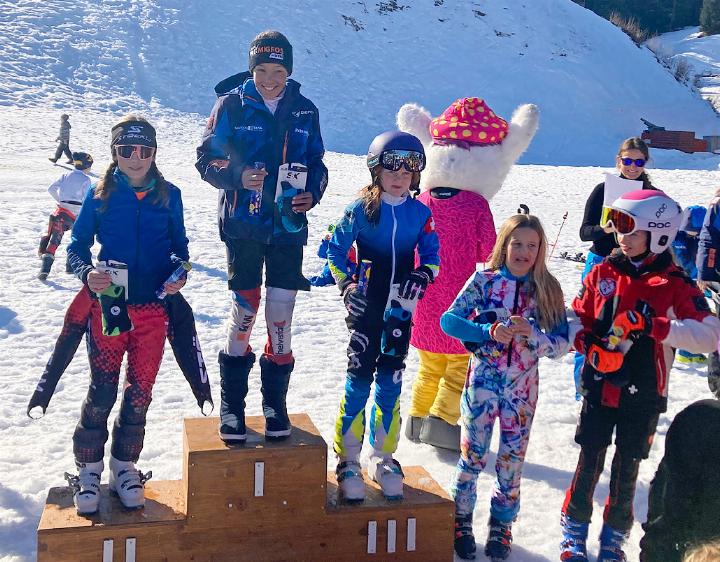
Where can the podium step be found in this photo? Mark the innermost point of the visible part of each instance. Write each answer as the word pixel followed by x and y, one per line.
pixel 261 501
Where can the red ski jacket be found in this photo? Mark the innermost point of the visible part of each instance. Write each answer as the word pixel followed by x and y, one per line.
pixel 680 318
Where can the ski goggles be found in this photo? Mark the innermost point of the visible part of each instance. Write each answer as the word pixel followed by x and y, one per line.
pixel 127 150
pixel 639 162
pixel 393 160
pixel 618 220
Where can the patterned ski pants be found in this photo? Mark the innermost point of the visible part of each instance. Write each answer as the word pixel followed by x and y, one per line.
pixel 58 223
pixel 144 346
pixel 364 361
pixel 479 409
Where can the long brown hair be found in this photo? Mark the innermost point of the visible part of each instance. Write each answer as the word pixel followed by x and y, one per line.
pixel 548 293
pixel 370 194
pixel 106 184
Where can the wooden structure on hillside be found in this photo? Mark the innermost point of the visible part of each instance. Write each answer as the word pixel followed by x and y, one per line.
pixel 685 141
pixel 261 501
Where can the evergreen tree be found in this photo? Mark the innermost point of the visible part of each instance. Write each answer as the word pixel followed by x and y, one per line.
pixel 685 13
pixel 710 17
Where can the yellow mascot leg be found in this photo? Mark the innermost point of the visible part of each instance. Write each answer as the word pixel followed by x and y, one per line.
pixel 447 403
pixel 425 388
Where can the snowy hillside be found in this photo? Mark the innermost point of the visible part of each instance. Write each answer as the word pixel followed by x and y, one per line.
pixel 358 60
pixel 701 54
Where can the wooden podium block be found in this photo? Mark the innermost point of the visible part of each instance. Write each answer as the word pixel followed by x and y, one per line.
pixel 261 501
pixel 260 481
pixel 65 535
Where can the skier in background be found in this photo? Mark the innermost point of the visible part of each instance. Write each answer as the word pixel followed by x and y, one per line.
pixel 137 216
pixel 685 248
pixel 63 140
pixel 68 191
pixel 708 279
pixel 260 126
pixel 325 276
pixel 387 224
pixel 631 161
pixel 641 297
pixel 509 315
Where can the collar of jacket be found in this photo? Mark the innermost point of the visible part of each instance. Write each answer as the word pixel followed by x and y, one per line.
pixel 122 181
pixel 652 264
pixel 250 96
pixel 505 272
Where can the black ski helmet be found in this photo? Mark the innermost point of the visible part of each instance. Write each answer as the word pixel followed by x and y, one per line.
pixel 392 140
pixel 82 160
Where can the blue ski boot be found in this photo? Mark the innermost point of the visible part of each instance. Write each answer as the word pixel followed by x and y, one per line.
pixel 497 547
pixel 464 538
pixel 611 542
pixel 573 547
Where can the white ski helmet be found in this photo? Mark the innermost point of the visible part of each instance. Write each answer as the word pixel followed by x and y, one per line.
pixel 645 209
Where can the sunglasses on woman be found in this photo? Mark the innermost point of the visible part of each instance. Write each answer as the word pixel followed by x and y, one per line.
pixel 127 150
pixel 393 160
pixel 639 162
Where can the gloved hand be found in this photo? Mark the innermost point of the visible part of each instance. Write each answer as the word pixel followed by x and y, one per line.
pixel 354 300
pixel 631 324
pixel 414 284
pixel 602 359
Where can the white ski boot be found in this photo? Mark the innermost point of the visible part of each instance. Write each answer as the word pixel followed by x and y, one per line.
pixel 128 483
pixel 387 472
pixel 86 486
pixel 350 480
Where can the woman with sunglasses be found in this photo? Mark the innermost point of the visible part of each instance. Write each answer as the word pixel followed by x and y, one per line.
pixel 137 217
pixel 388 226
pixel 634 309
pixel 630 161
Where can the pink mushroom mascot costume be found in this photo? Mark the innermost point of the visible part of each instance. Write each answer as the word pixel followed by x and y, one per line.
pixel 470 151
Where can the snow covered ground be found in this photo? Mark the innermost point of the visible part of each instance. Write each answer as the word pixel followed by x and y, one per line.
pixel 359 61
pixel 34 454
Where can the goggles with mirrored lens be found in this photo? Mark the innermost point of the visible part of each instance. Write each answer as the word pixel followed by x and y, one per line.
pixel 393 160
pixel 620 221
pixel 127 150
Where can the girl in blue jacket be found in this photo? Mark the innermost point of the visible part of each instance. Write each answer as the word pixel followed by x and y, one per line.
pixel 137 217
pixel 388 226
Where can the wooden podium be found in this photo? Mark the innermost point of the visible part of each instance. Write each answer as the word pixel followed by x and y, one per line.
pixel 265 500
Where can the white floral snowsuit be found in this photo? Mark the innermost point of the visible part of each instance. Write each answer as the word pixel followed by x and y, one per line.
pixel 502 383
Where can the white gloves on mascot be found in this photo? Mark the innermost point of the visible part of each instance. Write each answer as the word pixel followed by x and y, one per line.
pixel 469 152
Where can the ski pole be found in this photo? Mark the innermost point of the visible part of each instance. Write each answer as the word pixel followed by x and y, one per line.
pixel 558 234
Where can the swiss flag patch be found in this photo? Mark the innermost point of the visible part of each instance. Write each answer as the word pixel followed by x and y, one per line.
pixel 429 225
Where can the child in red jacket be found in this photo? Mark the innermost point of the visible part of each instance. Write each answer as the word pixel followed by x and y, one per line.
pixel 635 307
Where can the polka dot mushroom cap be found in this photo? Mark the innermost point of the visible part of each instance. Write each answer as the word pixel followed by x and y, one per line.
pixel 469 120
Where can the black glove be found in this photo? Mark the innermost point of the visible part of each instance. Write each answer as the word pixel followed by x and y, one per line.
pixel 415 283
pixel 354 300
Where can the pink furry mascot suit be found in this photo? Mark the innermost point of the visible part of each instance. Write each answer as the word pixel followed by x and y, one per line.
pixel 469 151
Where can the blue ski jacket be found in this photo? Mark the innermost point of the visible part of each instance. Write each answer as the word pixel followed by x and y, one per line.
pixel 708 260
pixel 242 131
pixel 389 245
pixel 142 233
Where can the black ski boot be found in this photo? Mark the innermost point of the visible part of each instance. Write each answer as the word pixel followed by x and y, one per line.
pixel 234 372
pixel 464 538
pixel 47 261
pixel 68 267
pixel 275 380
pixel 497 547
